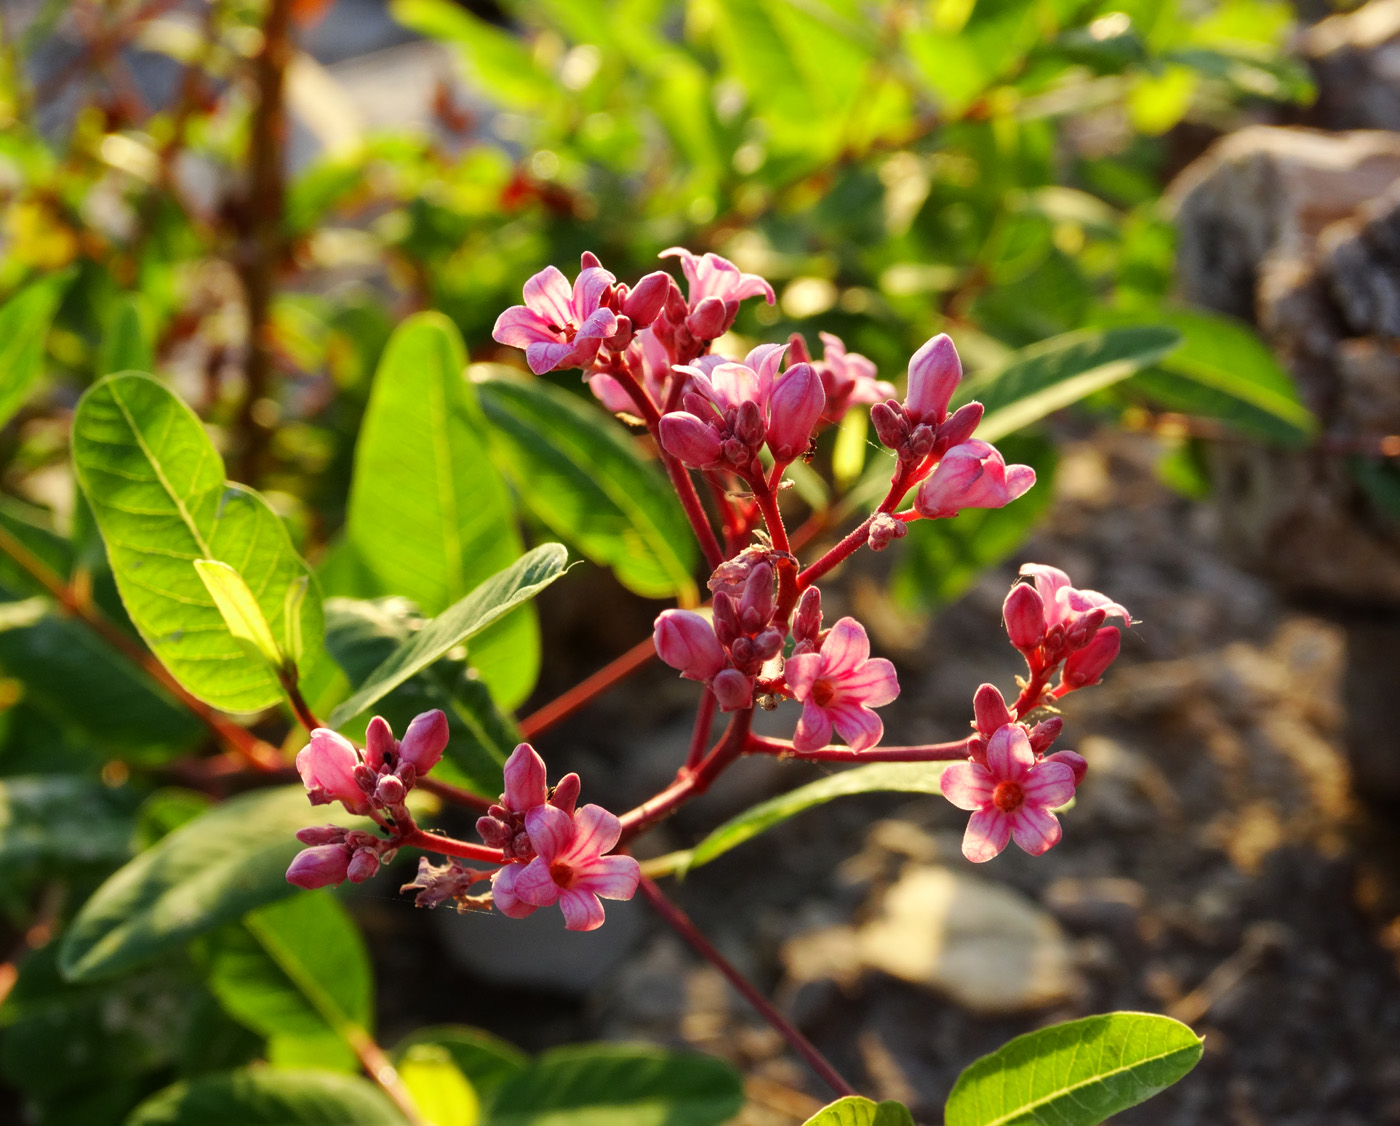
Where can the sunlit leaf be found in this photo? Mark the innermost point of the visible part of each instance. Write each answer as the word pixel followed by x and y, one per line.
pixel 24 326
pixel 854 1110
pixel 269 1097
pixel 486 1060
pixel 438 1089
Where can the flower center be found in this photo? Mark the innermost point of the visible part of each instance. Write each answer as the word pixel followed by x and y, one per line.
pixel 1008 797
pixel 567 331
pixel 822 692
pixel 561 873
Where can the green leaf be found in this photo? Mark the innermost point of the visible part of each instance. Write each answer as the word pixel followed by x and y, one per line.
pixel 24 327
pixel 266 1097
pixel 438 1089
pixel 429 515
pixel 297 971
pixel 875 777
pixel 487 603
pixel 240 610
pixel 487 1061
pixel 126 337
pixel 212 870
pixel 939 560
pixel 1053 374
pixel 292 643
pixel 579 472
pixel 61 818
pixel 855 1110
pixel 361 636
pixel 1074 1074
pixel 497 60
pixel 157 489
pixel 619 1085
pixel 1222 370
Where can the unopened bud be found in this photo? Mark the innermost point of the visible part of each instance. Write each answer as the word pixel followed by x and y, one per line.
pixel 794 407
pixel 380 744
pixel 726 618
pixel 991 710
pixel 920 442
pixel 756 606
pixel 958 427
pixel 321 835
pixel 934 372
pixel 708 320
pixel 890 427
pixel 738 453
pixel 493 831
pixel 884 530
pixel 808 621
pixel 1079 633
pixel 644 304
pixel 622 337
pixel 363 865
pixel 686 641
pixel 565 793
pixel 1075 762
pixel 733 690
pixel 407 773
pixel 323 866
pixel 1024 614
pixel 748 424
pixel 1086 666
pixel 767 645
pixel 675 306
pixel 689 440
pixel 741 651
pixel 1044 733
pixel 425 740
pixel 365 778
pixel 390 791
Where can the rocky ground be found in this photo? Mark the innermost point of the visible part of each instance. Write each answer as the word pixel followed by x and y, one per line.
pixel 1217 867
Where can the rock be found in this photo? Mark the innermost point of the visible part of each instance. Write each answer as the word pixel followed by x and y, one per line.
pixel 986 947
pixel 1356 60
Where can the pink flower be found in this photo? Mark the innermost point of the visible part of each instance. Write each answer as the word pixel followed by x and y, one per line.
pixel 709 275
pixel 322 866
pixel 327 768
pixel 796 402
pixel 934 373
pixel 525 780
pixel 686 641
pixel 1086 666
pixel 848 378
pixel 1011 796
pixel 556 327
pixel 972 475
pixel 1062 604
pixel 838 685
pixel 569 867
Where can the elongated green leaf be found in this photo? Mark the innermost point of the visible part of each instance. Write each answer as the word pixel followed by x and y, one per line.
pixel 875 777
pixel 214 869
pixel 486 604
pixel 58 817
pixel 1062 370
pixel 580 473
pixel 126 337
pixel 240 610
pixel 297 971
pixel 24 326
pixel 157 489
pixel 487 1061
pixel 1074 1074
pixel 1222 370
pixel 619 1085
pixel 855 1110
pixel 267 1097
pixel 939 560
pixel 429 515
pixel 361 636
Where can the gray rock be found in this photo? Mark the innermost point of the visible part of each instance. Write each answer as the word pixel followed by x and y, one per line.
pixel 1356 60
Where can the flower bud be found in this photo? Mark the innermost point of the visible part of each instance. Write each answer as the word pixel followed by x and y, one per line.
pixel 1079 632
pixel 920 442
pixel 622 337
pixel 934 371
pixel 972 475
pixel 686 641
pixel 380 744
pixel 732 689
pixel 726 618
pixel 797 402
pixel 406 773
pixel 644 304
pixel 565 794
pixel 991 710
pixel 1044 733
pixel 319 867
pixel 958 427
pixel 425 740
pixel 328 767
pixel 797 350
pixel 756 606
pixel 807 623
pixel 884 530
pixel 321 835
pixel 748 424
pixel 363 865
pixel 709 319
pixel 1075 762
pixel 365 778
pixel 1086 666
pixel 493 831
pixel 1024 615
pixel 890 425
pixel 390 791
pixel 689 440
pixel 589 261
pixel 741 652
pixel 675 306
pixel 767 645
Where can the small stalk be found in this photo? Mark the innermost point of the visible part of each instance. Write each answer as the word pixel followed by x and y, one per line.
pixel 587 690
pixel 927 752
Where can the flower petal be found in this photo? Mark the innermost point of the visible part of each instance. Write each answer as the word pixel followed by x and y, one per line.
pixel 801 673
pixel 582 911
pixel 846 647
pixel 612 877
pixel 503 893
pixel 967 785
pixel 988 831
pixel 813 729
pixel 551 831
pixel 589 288
pixel 519 326
pixel 1048 784
pixel 1009 753
pixel 548 294
pixel 534 884
pixel 873 684
pixel 595 831
pixel 857 724
pixel 1036 830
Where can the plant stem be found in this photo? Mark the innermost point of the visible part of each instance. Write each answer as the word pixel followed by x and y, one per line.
pixel 378 1068
pixel 305 716
pixel 700 736
pixel 448 846
pixel 928 752
pixel 236 738
pixel 454 794
pixel 679 922
pixel 586 690
pixel 852 542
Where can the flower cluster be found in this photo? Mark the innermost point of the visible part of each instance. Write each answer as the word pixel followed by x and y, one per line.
pixel 1050 621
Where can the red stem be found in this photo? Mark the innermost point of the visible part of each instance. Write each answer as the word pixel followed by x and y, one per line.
pixel 777 532
pixel 700 736
pixel 455 794
pixel 585 691
pixel 432 842
pixel 928 752
pixel 852 542
pixel 680 922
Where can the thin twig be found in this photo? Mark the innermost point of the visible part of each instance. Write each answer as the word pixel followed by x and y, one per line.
pixel 584 692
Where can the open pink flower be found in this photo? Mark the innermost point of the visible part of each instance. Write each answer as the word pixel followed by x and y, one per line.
pixel 838 685
pixel 1011 796
pixel 327 768
pixel 569 867
pixel 710 275
pixel 848 378
pixel 1063 604
pixel 559 328
pixel 972 475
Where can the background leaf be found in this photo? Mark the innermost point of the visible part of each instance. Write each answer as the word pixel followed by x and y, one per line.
pixel 59 817
pixel 487 1061
pixel 267 1097
pixel 429 515
pixel 854 1110
pixel 619 1085
pixel 126 337
pixel 24 326
pixel 216 868
pixel 157 489
pixel 1074 1074
pixel 579 472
